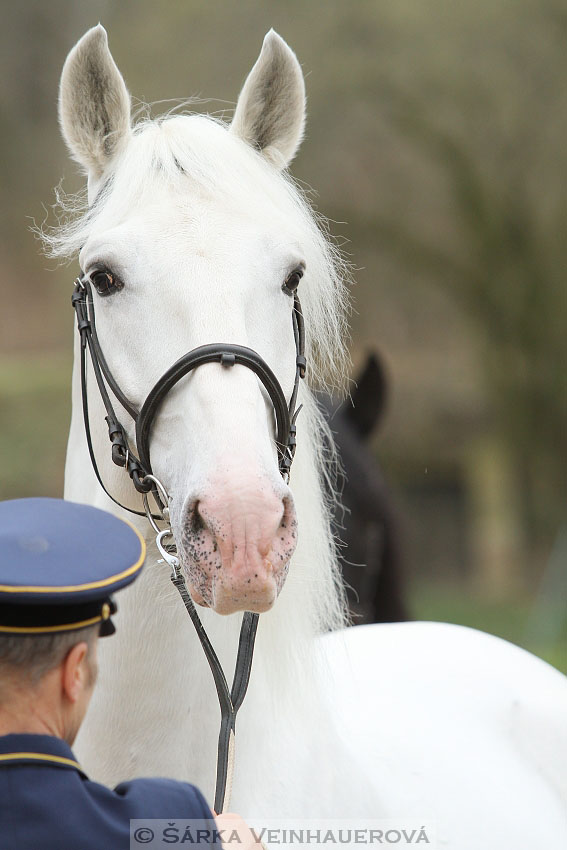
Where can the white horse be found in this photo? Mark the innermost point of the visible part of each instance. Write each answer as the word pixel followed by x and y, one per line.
pixel 192 227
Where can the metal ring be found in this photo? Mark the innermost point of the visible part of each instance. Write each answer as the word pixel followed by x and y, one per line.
pixel 149 514
pixel 162 491
pixel 164 495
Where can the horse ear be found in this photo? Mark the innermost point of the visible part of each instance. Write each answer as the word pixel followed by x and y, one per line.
pixel 368 397
pixel 94 104
pixel 270 113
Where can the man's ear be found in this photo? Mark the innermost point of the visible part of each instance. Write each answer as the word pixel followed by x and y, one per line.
pixel 75 673
pixel 94 104
pixel 270 113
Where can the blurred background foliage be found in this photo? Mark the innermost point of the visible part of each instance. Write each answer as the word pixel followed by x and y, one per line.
pixel 436 145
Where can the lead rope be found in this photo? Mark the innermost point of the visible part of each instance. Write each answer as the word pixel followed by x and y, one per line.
pixel 229 701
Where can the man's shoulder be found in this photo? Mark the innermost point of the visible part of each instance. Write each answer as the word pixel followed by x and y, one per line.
pixel 154 797
pixel 34 783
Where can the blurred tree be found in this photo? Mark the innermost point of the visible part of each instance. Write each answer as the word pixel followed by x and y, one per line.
pixel 502 255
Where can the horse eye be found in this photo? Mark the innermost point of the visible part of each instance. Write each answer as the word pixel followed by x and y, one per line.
pixel 292 282
pixel 105 282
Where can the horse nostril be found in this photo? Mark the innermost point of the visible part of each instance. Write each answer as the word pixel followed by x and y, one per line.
pixel 285 538
pixel 197 522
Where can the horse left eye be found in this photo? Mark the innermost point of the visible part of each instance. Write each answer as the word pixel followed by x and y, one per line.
pixel 292 282
pixel 105 282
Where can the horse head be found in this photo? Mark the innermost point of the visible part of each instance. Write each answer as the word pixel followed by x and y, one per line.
pixel 194 234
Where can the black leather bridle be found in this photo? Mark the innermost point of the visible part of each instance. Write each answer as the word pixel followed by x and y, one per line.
pixel 228 355
pixel 138 467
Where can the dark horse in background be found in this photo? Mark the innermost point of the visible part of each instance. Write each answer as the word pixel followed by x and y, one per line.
pixel 366 524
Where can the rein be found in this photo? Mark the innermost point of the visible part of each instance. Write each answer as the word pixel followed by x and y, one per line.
pixel 138 466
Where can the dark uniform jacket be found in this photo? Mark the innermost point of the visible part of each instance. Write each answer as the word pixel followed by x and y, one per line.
pixel 48 803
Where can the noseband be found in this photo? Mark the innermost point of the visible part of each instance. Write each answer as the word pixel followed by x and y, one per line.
pixel 139 468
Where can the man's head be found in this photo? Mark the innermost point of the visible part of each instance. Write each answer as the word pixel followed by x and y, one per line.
pixel 47 681
pixel 59 564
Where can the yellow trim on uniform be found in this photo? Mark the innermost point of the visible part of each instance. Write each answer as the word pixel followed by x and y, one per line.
pixel 42 757
pixel 23 630
pixel 8 588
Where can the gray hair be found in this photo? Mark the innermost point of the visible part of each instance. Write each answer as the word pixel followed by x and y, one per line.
pixel 30 657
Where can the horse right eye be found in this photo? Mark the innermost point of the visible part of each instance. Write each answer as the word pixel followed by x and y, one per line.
pixel 292 281
pixel 105 282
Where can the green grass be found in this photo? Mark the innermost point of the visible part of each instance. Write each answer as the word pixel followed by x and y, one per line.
pixel 506 618
pixel 22 376
pixel 34 420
